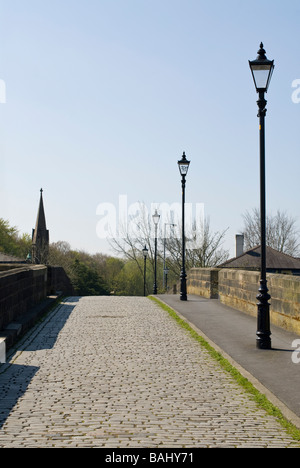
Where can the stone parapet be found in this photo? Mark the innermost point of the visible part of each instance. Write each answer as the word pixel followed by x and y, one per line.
pixel 21 289
pixel 203 282
pixel 239 288
pixel 58 281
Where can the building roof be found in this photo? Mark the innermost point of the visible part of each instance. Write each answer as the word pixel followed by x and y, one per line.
pixel 4 258
pixel 252 260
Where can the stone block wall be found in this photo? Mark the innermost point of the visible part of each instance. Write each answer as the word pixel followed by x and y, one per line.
pixel 239 288
pixel 285 301
pixel 203 282
pixel 21 289
pixel 59 281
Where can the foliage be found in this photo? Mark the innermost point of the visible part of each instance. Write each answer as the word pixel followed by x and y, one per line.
pixel 203 247
pixel 11 242
pixel 87 281
pixel 99 274
pixel 88 273
pixel 102 274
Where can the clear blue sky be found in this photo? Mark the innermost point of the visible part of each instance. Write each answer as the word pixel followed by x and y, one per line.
pixel 103 96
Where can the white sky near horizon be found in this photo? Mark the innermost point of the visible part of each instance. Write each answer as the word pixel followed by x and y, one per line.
pixel 103 96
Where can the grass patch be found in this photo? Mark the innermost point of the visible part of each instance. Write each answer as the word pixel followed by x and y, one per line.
pixel 257 396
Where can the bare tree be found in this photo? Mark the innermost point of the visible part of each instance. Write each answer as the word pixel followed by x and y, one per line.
pixel 208 251
pixel 281 234
pixel 133 237
pixel 203 247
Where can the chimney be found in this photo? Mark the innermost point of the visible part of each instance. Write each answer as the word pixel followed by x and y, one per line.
pixel 239 240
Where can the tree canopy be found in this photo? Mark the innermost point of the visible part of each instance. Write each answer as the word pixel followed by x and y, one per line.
pixel 11 242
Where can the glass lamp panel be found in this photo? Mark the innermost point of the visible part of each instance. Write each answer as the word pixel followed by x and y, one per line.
pixel 183 168
pixel 156 217
pixel 261 76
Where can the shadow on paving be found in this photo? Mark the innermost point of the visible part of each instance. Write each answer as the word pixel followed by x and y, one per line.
pixel 14 378
pixel 14 381
pixel 49 332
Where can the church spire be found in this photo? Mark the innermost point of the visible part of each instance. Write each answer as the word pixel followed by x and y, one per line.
pixel 40 236
pixel 41 219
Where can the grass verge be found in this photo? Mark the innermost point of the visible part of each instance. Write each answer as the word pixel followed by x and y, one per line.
pixel 257 396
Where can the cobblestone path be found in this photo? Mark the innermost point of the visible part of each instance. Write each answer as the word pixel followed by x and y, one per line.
pixel 119 372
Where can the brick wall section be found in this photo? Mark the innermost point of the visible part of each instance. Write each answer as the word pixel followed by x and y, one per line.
pixel 239 288
pixel 20 290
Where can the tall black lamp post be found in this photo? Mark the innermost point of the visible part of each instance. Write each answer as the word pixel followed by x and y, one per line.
pixel 262 70
pixel 145 254
pixel 183 165
pixel 155 218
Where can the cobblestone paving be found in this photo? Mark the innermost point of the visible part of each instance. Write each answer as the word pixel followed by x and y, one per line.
pixel 119 372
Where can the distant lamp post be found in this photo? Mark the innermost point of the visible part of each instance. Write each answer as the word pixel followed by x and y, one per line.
pixel 262 70
pixel 183 165
pixel 155 218
pixel 166 272
pixel 145 254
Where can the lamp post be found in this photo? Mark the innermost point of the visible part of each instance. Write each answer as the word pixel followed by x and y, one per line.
pixel 262 70
pixel 183 165
pixel 155 218
pixel 145 254
pixel 166 272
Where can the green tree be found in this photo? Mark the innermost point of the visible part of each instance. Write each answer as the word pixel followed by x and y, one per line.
pixel 129 281
pixel 11 242
pixel 87 281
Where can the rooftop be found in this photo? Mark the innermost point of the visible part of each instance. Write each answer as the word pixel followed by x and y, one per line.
pixel 4 258
pixel 252 259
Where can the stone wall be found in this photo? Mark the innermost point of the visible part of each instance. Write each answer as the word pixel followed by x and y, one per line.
pixel 239 288
pixel 285 301
pixel 21 289
pixel 58 281
pixel 203 282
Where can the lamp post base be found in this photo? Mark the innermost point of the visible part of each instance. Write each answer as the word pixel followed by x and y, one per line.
pixel 183 292
pixel 263 334
pixel 263 342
